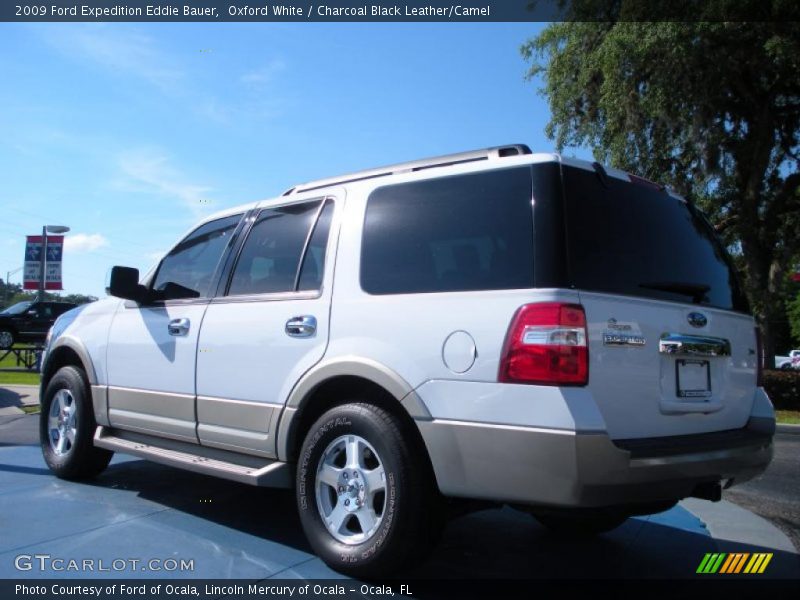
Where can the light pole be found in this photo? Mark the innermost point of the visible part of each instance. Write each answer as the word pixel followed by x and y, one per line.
pixel 43 262
pixel 7 288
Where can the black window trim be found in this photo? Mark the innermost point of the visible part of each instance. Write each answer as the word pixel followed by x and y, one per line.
pixel 223 296
pixel 218 270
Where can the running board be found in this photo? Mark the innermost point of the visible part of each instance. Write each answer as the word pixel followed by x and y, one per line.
pixel 200 459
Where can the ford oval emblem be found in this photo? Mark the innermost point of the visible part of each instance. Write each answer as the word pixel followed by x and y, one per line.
pixel 697 319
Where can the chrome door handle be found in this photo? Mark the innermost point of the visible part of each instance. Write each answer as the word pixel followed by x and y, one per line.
pixel 301 327
pixel 178 326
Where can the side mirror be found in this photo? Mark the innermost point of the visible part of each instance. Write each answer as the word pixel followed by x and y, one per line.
pixel 124 283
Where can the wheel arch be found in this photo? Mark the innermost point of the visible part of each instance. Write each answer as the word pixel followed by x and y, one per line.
pixel 332 383
pixel 68 351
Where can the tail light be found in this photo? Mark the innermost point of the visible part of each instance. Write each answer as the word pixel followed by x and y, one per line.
pixel 759 358
pixel 546 345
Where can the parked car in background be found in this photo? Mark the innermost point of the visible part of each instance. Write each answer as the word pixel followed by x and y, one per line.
pixel 29 321
pixel 788 362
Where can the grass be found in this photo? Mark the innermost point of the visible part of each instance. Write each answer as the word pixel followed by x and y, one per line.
pixel 11 374
pixel 31 409
pixel 788 417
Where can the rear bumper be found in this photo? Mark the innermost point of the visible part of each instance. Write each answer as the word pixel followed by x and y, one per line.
pixel 560 468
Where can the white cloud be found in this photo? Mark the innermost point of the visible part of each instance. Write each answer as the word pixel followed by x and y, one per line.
pixel 266 74
pixel 149 170
pixel 124 51
pixel 85 242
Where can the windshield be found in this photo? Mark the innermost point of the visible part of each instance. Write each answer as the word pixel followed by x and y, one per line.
pixel 636 240
pixel 17 309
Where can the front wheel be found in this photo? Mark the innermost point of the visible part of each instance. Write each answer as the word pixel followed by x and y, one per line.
pixel 366 500
pixel 67 426
pixel 6 339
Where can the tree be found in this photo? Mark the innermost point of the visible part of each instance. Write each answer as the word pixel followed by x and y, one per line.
pixel 710 108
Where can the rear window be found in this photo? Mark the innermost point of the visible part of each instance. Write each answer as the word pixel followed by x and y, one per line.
pixel 631 239
pixel 459 233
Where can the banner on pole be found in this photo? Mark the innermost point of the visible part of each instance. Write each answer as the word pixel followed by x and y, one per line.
pixel 33 264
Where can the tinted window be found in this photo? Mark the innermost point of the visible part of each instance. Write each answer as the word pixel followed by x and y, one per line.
pixel 17 309
pixel 271 254
pixel 192 263
pixel 631 239
pixel 314 260
pixel 466 232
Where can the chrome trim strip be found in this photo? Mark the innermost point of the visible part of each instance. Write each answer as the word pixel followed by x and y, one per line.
pixel 522 428
pixel 693 345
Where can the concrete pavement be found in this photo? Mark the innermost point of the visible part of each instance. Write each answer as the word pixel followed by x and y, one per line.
pixel 14 397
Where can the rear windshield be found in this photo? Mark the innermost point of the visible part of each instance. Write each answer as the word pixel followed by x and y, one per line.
pixel 631 239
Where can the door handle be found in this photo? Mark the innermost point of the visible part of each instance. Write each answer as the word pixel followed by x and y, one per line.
pixel 178 326
pixel 301 327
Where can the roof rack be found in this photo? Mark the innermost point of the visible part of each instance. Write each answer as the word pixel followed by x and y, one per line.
pixel 416 165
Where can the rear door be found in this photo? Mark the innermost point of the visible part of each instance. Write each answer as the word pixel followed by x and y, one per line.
pixel 268 327
pixel 672 350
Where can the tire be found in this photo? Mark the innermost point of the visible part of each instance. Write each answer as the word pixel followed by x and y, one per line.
pixel 7 339
pixel 67 427
pixel 578 526
pixel 784 366
pixel 367 500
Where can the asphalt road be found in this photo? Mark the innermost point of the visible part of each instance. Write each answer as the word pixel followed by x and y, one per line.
pixel 775 495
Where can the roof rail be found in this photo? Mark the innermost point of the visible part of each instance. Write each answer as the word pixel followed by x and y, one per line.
pixel 416 165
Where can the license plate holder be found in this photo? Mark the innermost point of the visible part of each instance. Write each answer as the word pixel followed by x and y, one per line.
pixel 693 379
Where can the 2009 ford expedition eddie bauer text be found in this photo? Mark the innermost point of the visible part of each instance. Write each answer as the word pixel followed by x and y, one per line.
pixel 494 325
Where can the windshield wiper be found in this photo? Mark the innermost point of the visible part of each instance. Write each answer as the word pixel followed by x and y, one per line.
pixel 697 291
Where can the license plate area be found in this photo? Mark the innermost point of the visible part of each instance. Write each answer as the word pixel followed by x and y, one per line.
pixel 693 379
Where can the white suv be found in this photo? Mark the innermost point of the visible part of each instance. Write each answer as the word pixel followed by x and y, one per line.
pixel 494 325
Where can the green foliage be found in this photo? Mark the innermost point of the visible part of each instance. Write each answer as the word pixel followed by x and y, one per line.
pixel 710 108
pixel 14 293
pixel 793 312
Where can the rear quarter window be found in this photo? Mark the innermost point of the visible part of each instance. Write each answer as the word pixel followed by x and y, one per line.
pixel 458 233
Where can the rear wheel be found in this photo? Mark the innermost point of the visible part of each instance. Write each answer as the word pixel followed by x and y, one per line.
pixel 367 503
pixel 6 339
pixel 67 427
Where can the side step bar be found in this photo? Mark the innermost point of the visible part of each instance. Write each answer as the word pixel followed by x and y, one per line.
pixel 209 461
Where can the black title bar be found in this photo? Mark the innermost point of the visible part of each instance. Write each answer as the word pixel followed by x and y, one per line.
pixel 401 11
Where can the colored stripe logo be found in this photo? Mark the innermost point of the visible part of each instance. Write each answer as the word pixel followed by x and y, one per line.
pixel 734 563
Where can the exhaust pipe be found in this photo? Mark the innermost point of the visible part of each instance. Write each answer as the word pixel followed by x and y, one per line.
pixel 708 491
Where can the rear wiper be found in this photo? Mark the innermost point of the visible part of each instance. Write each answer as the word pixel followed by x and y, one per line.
pixel 697 291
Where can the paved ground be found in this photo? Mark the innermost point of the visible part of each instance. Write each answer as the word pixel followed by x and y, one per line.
pixel 14 397
pixel 140 510
pixel 775 495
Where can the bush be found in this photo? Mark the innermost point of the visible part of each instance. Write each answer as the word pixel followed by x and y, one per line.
pixel 783 388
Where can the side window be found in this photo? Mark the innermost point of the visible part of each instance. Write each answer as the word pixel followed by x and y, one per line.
pixel 273 250
pixel 187 271
pixel 459 233
pixel 314 260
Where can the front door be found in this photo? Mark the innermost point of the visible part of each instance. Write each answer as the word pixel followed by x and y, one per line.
pixel 152 348
pixel 269 327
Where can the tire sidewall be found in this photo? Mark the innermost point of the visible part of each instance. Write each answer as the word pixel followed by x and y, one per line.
pixel 71 379
pixel 13 338
pixel 338 422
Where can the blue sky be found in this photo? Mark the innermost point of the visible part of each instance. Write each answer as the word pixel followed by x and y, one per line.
pixel 129 133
